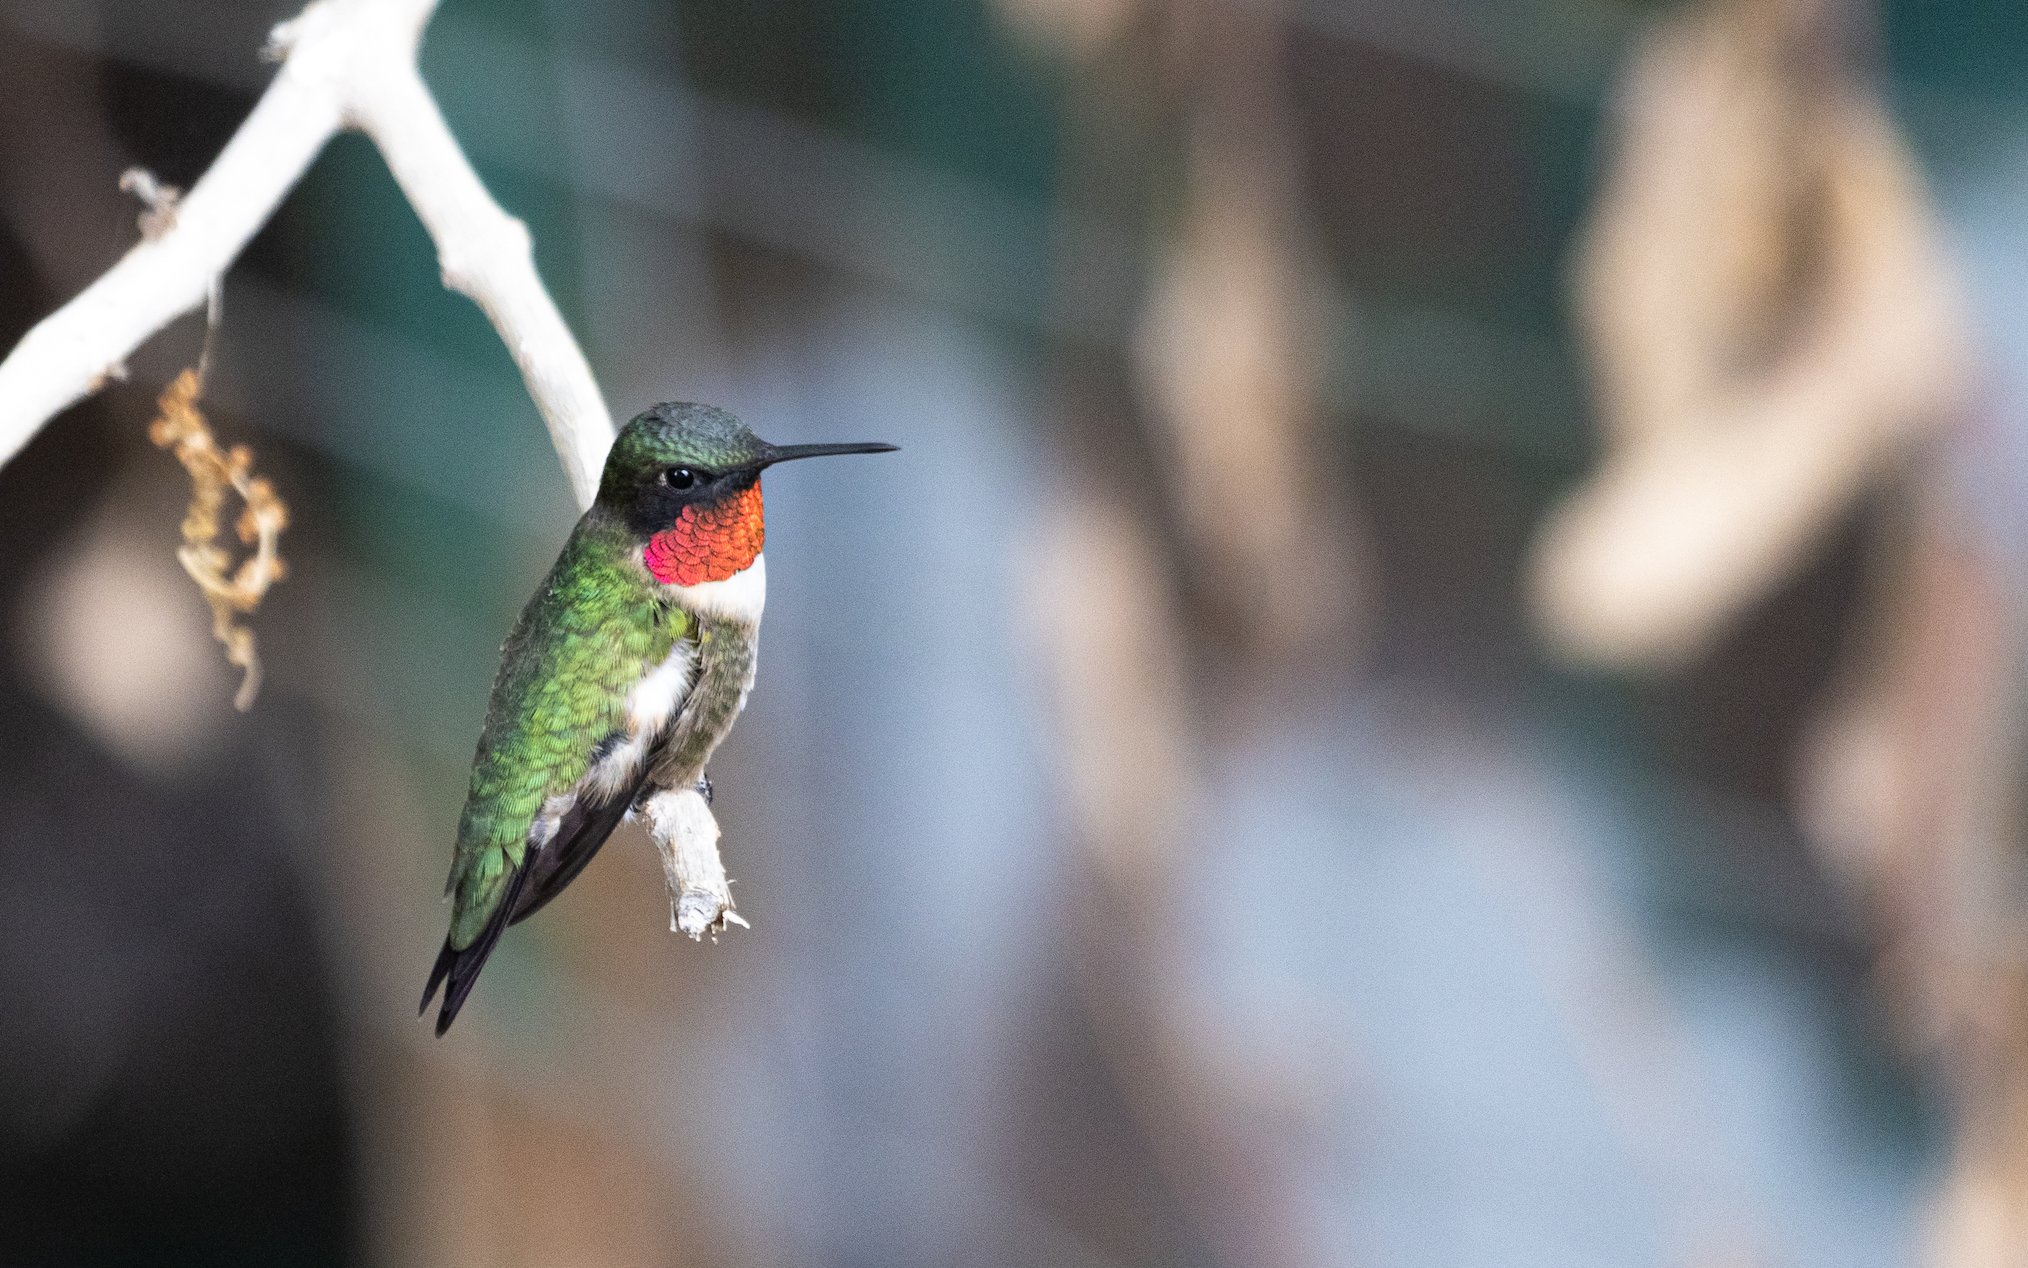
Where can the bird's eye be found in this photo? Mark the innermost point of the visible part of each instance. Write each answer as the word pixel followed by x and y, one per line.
pixel 679 477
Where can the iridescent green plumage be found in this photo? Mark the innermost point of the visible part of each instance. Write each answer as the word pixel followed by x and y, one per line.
pixel 593 631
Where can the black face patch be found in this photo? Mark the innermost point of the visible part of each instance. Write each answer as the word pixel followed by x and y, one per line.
pixel 661 498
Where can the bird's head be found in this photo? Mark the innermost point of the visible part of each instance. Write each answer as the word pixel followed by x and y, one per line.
pixel 685 479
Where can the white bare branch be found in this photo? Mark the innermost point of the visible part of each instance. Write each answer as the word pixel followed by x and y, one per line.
pixel 352 63
pixel 686 834
pixel 347 63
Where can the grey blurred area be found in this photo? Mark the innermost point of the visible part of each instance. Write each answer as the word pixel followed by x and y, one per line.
pixel 1436 681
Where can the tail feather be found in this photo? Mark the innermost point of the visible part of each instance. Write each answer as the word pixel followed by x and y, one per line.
pixel 445 959
pixel 543 873
pixel 461 967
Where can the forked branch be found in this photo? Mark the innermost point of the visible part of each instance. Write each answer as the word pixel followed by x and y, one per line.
pixel 345 63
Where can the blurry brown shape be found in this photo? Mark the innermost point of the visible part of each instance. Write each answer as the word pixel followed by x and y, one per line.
pixel 1890 771
pixel 1772 325
pixel 215 472
pixel 1229 354
pixel 1230 351
pixel 1775 329
pixel 1911 786
pixel 1076 28
pixel 57 162
pixel 1112 644
pixel 1204 520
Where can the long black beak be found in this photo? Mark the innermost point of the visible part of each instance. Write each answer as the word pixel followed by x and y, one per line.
pixel 787 453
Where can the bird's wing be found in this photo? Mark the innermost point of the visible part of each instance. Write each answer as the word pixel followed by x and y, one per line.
pixel 538 810
pixel 585 827
pixel 719 665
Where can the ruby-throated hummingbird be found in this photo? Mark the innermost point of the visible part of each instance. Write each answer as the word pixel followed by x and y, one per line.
pixel 623 674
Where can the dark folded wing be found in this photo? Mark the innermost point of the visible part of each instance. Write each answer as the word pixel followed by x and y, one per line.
pixel 585 827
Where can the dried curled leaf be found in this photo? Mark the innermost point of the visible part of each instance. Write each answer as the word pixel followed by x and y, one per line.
pixel 231 591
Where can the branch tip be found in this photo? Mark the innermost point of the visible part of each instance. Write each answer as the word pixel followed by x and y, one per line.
pixel 160 201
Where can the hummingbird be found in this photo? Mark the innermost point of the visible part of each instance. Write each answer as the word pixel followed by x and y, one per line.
pixel 622 675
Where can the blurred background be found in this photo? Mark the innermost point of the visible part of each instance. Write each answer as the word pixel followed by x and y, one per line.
pixel 1439 679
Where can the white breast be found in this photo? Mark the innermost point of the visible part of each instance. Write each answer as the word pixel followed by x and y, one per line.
pixel 739 597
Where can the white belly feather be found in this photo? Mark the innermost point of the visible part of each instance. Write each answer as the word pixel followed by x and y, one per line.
pixel 739 597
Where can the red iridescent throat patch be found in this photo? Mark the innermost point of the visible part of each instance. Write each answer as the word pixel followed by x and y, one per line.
pixel 708 543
